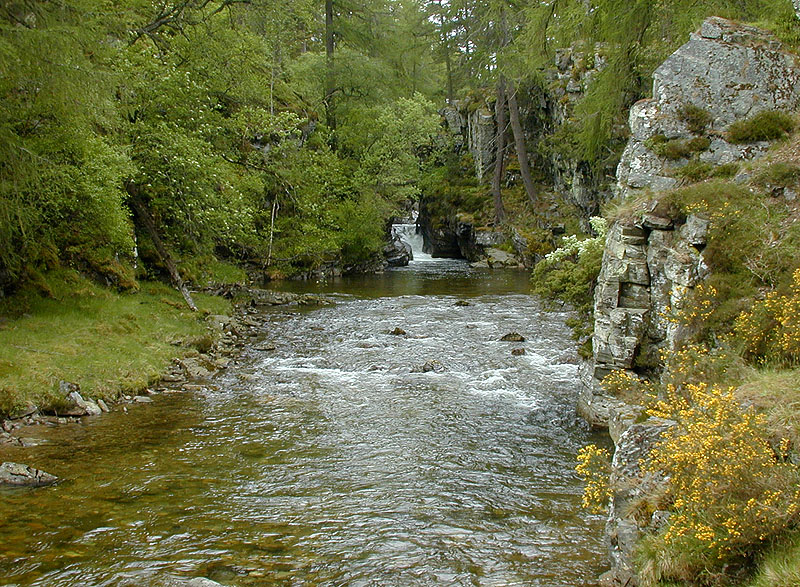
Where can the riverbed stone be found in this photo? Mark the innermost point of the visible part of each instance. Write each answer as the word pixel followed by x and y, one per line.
pixel 513 337
pixel 23 475
pixel 78 406
pixel 196 368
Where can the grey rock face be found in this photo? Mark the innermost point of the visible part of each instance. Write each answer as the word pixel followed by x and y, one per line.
pixel 629 484
pixel 397 252
pixel 481 133
pixel 730 70
pixel 23 475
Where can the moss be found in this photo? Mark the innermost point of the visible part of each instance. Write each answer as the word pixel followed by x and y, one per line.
pixel 674 149
pixel 768 125
pixel 696 118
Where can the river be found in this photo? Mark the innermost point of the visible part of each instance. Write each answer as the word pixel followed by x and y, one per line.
pixel 338 458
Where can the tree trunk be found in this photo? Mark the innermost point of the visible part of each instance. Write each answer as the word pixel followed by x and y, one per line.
pixel 150 226
pixel 519 143
pixel 500 148
pixel 330 77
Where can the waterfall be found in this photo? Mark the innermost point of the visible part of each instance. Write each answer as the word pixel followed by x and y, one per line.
pixel 409 235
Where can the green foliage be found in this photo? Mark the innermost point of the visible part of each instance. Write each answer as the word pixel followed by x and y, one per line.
pixel 767 125
pixel 61 171
pixel 752 242
pixel 570 273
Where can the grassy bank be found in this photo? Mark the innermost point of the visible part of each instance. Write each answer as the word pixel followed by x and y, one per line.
pixel 67 328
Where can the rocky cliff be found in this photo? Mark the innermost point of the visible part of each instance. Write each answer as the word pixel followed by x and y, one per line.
pixel 725 73
pixel 544 108
pixel 653 257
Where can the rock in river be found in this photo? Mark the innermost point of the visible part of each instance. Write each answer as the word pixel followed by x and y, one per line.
pixel 19 474
pixel 513 337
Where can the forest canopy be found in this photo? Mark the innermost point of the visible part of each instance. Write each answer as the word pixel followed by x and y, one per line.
pixel 278 132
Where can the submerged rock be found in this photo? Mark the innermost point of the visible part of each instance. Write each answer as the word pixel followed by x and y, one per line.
pixel 23 475
pixel 428 366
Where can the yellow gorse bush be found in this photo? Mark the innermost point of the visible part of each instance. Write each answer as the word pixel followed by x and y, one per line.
pixel 594 466
pixel 770 330
pixel 730 492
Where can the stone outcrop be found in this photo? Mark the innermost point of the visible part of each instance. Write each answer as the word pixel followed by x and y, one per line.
pixel 397 253
pixel 728 70
pixel 653 257
pixel 630 486
pixel 456 237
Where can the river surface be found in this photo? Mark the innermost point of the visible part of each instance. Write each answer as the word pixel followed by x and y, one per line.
pixel 335 459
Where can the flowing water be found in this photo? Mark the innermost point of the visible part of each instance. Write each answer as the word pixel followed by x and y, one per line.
pixel 345 456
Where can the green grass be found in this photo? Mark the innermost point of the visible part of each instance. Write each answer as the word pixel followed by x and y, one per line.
pixel 776 394
pixel 104 341
pixel 780 567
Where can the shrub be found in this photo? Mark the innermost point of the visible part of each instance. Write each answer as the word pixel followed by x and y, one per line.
pixel 764 126
pixel 696 118
pixel 695 171
pixel 594 466
pixel 569 274
pixel 730 492
pixel 674 149
pixel 770 331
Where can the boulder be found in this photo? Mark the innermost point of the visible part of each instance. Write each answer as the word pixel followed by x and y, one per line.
pixel 76 405
pixel 499 258
pixel 729 70
pixel 513 337
pixel 397 252
pixel 23 475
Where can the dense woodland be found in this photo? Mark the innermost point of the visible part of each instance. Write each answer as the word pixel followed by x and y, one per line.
pixel 278 133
